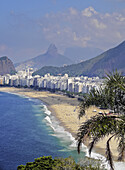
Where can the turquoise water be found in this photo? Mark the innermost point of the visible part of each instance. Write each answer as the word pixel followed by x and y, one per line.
pixel 28 131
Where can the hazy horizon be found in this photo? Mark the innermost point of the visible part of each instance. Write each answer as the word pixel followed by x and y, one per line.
pixel 29 27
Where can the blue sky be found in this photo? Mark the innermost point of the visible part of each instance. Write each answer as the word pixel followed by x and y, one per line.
pixel 29 26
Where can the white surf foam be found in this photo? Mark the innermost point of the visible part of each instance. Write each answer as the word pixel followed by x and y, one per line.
pixel 17 94
pixel 46 110
pixel 119 165
pixel 48 119
pixel 60 132
pixel 30 99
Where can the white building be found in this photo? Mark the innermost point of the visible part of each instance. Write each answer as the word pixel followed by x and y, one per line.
pixel 73 84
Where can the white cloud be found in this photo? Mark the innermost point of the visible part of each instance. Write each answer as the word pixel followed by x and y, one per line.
pixel 88 12
pixel 84 28
pixel 73 27
pixel 121 18
pixel 98 24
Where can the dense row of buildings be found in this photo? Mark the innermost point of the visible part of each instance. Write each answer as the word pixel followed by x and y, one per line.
pixel 81 84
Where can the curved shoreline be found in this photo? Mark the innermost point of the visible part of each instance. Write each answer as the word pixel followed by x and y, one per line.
pixel 64 109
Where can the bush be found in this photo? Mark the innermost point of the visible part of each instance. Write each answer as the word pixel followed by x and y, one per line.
pixel 47 163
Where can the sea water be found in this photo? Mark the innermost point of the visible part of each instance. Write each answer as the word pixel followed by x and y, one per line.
pixel 28 130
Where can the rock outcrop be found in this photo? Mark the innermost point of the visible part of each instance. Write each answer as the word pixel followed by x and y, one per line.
pixel 6 66
pixel 50 58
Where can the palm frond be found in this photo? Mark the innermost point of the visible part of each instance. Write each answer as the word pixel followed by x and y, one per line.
pixel 97 127
pixel 114 80
pixel 112 96
pixel 97 98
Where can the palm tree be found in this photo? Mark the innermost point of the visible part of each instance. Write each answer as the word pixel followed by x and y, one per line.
pixel 112 96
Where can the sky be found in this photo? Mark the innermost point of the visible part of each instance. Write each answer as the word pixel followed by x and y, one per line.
pixel 28 27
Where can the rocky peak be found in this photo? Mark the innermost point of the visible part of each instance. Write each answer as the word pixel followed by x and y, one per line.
pixel 52 49
pixel 6 66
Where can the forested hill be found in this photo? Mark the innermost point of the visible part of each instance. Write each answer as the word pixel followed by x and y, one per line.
pixel 106 62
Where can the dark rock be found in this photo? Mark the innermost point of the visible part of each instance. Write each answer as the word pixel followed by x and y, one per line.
pixel 6 66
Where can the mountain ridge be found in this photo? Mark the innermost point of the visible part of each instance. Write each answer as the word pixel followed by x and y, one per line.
pixel 51 57
pixel 108 61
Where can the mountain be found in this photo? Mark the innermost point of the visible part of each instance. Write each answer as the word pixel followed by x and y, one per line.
pixel 79 54
pixel 50 58
pixel 98 66
pixel 6 66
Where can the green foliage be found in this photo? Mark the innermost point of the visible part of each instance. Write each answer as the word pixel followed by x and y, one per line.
pixel 99 126
pixel 47 163
pixel 112 96
pixel 91 163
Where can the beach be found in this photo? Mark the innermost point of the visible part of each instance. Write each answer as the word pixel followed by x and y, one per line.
pixel 66 110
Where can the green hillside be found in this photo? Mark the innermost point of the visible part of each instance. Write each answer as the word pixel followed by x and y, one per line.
pixel 98 66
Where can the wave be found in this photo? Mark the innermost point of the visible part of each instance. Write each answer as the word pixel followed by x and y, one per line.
pixel 66 136
pixel 46 110
pixel 36 101
pixel 48 119
pixel 17 94
pixel 31 99
pixel 60 132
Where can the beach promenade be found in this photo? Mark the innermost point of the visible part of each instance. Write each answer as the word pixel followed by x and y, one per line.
pixel 66 110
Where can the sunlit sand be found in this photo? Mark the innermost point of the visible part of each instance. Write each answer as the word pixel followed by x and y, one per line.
pixel 66 111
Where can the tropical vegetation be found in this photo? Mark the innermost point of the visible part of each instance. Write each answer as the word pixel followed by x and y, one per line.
pixel 47 163
pixel 112 97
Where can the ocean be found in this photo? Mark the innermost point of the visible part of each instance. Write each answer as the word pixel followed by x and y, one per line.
pixel 28 130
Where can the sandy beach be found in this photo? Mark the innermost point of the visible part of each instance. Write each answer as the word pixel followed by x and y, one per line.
pixel 66 111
